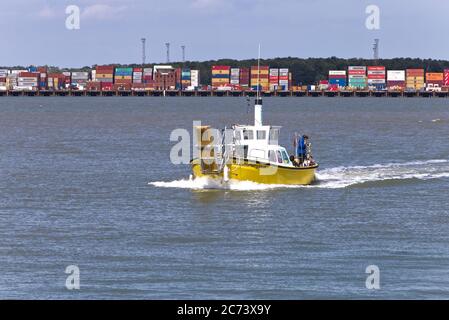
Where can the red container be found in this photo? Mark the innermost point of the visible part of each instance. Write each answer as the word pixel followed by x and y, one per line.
pixel 138 86
pixel 121 86
pixel 439 83
pixel 356 73
pixel 221 68
pixel 93 86
pixel 255 68
pixel 29 74
pixel 123 81
pixel 331 76
pixel 376 68
pixel 446 77
pixel 415 72
pixel 106 86
pixel 376 77
pixel 396 84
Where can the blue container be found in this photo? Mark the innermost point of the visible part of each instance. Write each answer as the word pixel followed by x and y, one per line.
pixel 32 69
pixel 379 86
pixel 341 82
pixel 220 76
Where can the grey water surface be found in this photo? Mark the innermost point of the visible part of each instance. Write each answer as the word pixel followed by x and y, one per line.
pixel 89 182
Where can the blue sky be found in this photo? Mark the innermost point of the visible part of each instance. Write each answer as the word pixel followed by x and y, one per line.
pixel 110 30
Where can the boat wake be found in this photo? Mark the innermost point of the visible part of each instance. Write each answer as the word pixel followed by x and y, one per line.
pixel 333 178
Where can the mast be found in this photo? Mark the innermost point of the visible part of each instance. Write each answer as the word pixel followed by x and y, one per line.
pixel 258 103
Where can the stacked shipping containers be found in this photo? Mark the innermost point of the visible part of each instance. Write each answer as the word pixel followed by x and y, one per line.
pixel 260 77
pixel 357 77
pixel 79 79
pixel 42 77
pixel 137 75
pixel 56 81
pixel 337 79
pixel 67 78
pixel 285 79
pixel 415 79
pixel 396 79
pixel 12 79
pixel 195 78
pixel 147 75
pixel 105 75
pixel 3 77
pixel 28 80
pixel 274 79
pixel 244 77
pixel 377 78
pixel 123 76
pixel 220 76
pixel 235 76
pixel 185 78
pixel 435 79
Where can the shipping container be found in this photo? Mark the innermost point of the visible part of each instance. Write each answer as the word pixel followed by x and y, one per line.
pixel 396 75
pixel 446 77
pixel 396 84
pixel 337 73
pixel 195 78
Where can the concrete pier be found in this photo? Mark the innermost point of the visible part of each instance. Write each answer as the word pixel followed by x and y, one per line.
pixel 220 93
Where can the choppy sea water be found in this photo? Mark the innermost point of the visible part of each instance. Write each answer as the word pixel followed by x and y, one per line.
pixel 88 182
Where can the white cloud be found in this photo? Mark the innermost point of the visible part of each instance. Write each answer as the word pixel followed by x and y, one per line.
pixel 102 11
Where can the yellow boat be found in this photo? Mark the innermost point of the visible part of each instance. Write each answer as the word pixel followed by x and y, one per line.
pixel 249 153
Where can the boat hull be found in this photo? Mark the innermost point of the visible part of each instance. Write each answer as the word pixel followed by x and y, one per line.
pixel 262 173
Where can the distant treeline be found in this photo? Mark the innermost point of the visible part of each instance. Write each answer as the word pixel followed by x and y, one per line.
pixel 304 71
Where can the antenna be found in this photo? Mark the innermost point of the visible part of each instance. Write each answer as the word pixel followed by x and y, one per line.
pixel 258 75
pixel 376 49
pixel 168 51
pixel 143 50
pixel 258 104
pixel 183 48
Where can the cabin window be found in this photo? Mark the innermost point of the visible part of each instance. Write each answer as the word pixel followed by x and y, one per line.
pixel 248 134
pixel 285 156
pixel 279 156
pixel 272 156
pixel 261 134
pixel 274 136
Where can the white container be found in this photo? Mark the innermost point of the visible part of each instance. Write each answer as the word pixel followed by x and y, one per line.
pixel 357 68
pixel 194 78
pixel 396 75
pixel 337 73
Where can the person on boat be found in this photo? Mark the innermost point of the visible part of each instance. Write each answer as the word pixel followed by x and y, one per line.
pixel 302 148
pixel 295 161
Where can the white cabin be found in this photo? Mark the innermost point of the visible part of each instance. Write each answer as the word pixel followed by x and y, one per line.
pixel 260 143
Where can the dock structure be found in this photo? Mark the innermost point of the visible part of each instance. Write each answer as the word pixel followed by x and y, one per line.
pixel 219 93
